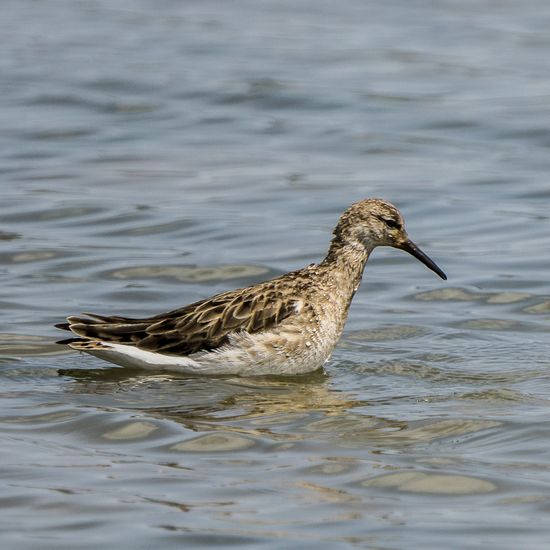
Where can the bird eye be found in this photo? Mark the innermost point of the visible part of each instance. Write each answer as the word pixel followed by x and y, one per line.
pixel 391 223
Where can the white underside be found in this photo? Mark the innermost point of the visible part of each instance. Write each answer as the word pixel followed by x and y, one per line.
pixel 130 356
pixel 230 359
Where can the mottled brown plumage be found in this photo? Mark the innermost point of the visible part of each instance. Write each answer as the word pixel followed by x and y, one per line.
pixel 200 326
pixel 286 325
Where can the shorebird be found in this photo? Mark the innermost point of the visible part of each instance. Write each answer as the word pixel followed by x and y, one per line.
pixel 287 325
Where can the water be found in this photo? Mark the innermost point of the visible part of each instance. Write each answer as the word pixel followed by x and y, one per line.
pixel 154 153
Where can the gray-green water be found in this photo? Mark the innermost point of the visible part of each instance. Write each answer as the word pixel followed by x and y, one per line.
pixel 154 153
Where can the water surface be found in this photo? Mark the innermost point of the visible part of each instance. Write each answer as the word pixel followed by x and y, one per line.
pixel 154 153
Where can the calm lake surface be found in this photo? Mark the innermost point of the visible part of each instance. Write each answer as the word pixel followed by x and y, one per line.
pixel 157 152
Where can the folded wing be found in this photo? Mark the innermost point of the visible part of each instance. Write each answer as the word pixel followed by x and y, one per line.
pixel 201 326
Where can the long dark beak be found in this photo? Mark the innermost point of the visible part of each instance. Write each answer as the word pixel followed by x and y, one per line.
pixel 412 249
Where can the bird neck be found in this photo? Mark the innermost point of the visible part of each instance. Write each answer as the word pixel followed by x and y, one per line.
pixel 346 262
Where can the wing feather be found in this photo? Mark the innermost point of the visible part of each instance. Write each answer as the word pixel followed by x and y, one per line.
pixel 201 326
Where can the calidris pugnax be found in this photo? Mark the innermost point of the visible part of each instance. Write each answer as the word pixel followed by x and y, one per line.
pixel 287 325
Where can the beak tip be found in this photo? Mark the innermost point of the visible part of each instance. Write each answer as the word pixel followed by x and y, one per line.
pixel 412 249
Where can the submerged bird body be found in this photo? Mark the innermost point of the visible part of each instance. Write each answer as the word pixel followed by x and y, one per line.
pixel 287 325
